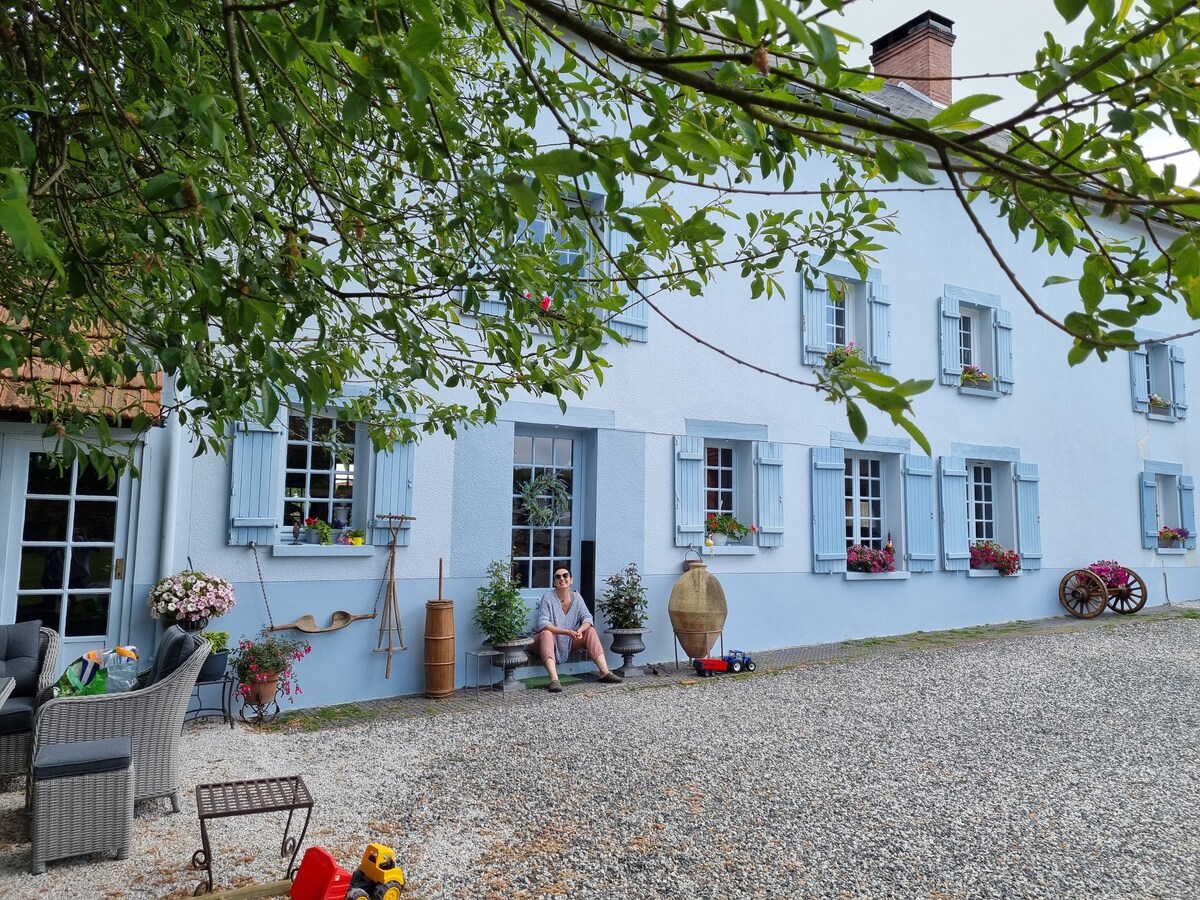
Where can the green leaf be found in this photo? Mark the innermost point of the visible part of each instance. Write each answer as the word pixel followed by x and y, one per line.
pixel 565 162
pixel 961 110
pixel 168 184
pixel 858 422
pixel 1070 9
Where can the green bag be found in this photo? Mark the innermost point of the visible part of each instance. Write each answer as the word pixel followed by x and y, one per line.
pixel 83 677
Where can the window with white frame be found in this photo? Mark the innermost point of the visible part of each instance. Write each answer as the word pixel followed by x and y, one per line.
pixel 841 308
pixel 319 467
pixel 1157 376
pixel 318 480
pixel 728 470
pixel 720 479
pixel 1168 502
pixel 981 503
pixel 976 343
pixel 865 520
pixel 867 494
pixel 989 496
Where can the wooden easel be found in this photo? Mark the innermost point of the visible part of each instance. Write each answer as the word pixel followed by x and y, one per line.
pixel 391 604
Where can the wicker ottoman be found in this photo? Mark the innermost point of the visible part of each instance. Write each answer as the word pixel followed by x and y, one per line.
pixel 82 799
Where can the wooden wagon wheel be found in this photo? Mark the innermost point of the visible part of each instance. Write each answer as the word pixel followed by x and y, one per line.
pixel 1082 594
pixel 1129 597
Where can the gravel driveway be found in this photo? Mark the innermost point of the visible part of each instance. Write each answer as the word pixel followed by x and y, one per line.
pixel 1059 765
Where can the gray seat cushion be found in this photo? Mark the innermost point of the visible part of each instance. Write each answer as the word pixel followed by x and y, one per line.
pixel 83 758
pixel 19 656
pixel 16 715
pixel 174 647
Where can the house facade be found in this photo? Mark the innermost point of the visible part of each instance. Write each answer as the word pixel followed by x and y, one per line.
pixel 1064 465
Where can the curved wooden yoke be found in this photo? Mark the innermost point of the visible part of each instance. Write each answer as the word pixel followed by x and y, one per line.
pixel 308 624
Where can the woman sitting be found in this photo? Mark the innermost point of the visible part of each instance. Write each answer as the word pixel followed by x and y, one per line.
pixel 564 624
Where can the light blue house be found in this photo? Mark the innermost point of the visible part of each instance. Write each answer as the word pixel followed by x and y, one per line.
pixel 1064 465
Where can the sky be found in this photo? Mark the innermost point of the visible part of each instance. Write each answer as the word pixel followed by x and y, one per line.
pixel 990 37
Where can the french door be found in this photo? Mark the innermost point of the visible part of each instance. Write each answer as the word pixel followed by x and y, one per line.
pixel 64 557
pixel 537 549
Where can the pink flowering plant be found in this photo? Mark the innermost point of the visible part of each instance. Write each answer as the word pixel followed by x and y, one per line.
pixel 991 555
pixel 838 355
pixel 190 596
pixel 1111 572
pixel 256 661
pixel 861 558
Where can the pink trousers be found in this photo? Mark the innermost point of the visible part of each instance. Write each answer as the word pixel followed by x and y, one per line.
pixel 544 641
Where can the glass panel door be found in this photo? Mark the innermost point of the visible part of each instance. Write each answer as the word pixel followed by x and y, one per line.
pixel 536 549
pixel 68 547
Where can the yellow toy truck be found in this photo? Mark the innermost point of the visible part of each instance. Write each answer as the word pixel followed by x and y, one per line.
pixel 377 877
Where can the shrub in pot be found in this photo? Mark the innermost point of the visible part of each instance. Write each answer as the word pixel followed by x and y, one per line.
pixel 216 663
pixel 502 615
pixel 623 604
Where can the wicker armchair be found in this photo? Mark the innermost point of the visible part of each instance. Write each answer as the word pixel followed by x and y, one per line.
pixel 152 716
pixel 14 747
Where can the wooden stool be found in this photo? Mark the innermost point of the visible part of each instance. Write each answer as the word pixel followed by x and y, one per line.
pixel 82 799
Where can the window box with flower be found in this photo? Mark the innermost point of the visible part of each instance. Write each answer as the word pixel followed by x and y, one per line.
pixel 1172 535
pixel 839 355
pixel 987 556
pixel 975 377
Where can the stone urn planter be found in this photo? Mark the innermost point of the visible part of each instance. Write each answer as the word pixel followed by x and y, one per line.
pixel 626 643
pixel 512 656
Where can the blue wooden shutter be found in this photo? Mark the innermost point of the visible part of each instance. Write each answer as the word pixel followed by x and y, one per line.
pixel 880 306
pixel 918 513
pixel 1148 482
pixel 1139 381
pixel 768 463
pixel 948 337
pixel 1187 508
pixel 956 542
pixel 1178 387
pixel 1029 528
pixel 815 302
pixel 255 509
pixel 689 491
pixel 1003 325
pixel 829 509
pixel 393 493
pixel 633 322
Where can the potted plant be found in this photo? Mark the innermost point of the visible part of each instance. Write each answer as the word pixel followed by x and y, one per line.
pixel 624 606
pixel 838 355
pixel 354 536
pixel 265 667
pixel 318 531
pixel 502 615
pixel 722 527
pixel 1159 404
pixel 975 377
pixel 190 599
pixel 991 555
pixel 1172 535
pixel 217 661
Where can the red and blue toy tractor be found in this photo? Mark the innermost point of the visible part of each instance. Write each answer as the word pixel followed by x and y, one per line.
pixel 733 661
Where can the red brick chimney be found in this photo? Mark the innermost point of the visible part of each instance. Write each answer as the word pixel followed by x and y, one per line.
pixel 918 54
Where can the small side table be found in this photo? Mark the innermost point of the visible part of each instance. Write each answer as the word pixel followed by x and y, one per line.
pixel 471 663
pixel 225 710
pixel 245 798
